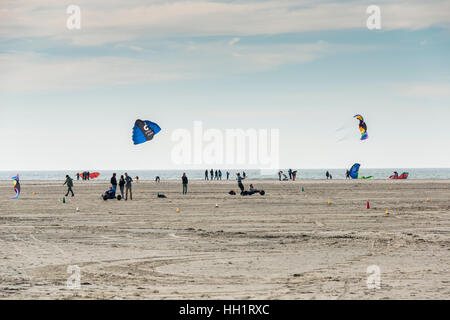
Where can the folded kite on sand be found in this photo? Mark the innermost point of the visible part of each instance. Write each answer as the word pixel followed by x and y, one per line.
pixel 404 175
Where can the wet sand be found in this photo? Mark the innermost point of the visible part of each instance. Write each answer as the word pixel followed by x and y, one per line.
pixel 287 244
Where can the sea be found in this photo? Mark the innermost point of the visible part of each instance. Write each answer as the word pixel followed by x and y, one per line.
pixel 377 173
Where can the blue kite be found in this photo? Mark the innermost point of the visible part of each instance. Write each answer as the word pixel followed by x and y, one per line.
pixel 144 131
pixel 354 172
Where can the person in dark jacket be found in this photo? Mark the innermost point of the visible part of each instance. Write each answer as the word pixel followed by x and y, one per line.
pixel 239 180
pixel 184 181
pixel 114 182
pixel 69 183
pixel 206 174
pixel 121 184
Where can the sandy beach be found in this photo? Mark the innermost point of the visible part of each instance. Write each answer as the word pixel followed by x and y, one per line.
pixel 287 244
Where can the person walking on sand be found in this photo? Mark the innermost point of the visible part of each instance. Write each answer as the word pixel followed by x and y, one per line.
pixel 121 184
pixel 206 174
pixel 128 182
pixel 184 181
pixel 114 182
pixel 347 175
pixel 69 183
pixel 239 181
pixel 211 174
pixel 327 174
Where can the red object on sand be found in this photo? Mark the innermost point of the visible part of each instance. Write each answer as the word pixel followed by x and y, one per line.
pixel 404 175
pixel 368 205
pixel 92 175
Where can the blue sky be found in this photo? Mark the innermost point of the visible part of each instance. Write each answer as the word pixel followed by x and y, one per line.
pixel 69 98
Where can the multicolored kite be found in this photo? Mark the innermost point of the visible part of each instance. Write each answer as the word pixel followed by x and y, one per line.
pixel 362 126
pixel 16 186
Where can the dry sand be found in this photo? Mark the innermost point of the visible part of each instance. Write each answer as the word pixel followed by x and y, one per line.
pixel 287 244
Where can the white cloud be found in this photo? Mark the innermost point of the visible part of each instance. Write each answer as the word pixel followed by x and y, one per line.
pixel 234 41
pixel 112 21
pixel 424 90
pixel 31 72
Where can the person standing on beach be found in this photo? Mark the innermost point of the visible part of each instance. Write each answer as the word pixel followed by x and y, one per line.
pixel 294 174
pixel 184 181
pixel 128 182
pixel 78 176
pixel 206 174
pixel 243 175
pixel 114 182
pixel 121 184
pixel 211 174
pixel 220 175
pixel 228 175
pixel 239 180
pixel 69 183
pixel 347 175
pixel 327 174
pixel 290 174
pixel 215 175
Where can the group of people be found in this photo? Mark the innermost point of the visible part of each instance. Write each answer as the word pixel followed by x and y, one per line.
pixel 215 175
pixel 292 175
pixel 84 175
pixel 329 176
pixel 125 182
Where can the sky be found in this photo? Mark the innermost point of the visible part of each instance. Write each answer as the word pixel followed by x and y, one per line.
pixel 69 97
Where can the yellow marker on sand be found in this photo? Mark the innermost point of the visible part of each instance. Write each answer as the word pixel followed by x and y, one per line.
pixel 178 210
